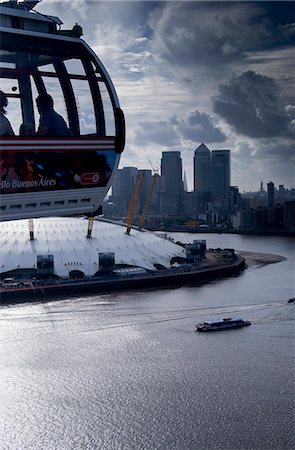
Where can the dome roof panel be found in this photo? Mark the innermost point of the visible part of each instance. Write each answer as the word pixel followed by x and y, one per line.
pixel 66 239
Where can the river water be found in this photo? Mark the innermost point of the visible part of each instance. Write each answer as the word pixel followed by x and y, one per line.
pixel 128 371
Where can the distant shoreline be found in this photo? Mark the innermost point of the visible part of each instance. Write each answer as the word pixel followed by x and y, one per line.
pixel 184 229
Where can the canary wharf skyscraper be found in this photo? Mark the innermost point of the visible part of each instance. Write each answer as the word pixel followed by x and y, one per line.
pixel 171 196
pixel 212 178
pixel 221 163
pixel 202 159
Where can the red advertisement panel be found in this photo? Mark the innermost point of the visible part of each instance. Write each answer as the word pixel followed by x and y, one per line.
pixel 45 167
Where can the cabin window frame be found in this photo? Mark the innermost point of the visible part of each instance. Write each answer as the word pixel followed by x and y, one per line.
pixel 32 53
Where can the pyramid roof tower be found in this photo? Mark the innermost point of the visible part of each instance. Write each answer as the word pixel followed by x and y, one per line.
pixel 202 148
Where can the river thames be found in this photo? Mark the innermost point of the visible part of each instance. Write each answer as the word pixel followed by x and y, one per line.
pixel 128 371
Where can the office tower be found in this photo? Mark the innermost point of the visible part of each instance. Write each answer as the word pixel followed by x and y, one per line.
pixel 212 179
pixel 234 199
pixel 116 184
pixel 221 181
pixel 202 157
pixel 281 194
pixel 122 187
pixel 270 194
pixel 171 196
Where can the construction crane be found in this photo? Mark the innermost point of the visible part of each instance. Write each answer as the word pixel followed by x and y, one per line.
pixel 155 168
pixel 147 201
pixel 134 201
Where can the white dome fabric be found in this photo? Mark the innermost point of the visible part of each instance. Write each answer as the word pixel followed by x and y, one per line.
pixel 66 239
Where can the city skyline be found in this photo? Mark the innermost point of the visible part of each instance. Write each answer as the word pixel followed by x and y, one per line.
pixel 261 184
pixel 221 73
pixel 161 200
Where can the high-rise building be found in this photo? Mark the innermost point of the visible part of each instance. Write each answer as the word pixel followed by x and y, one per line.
pixel 122 188
pixel 171 195
pixel 281 194
pixel 234 199
pixel 270 194
pixel 202 158
pixel 212 178
pixel 221 179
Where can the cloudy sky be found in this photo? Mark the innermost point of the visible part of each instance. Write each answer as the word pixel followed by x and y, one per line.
pixel 188 72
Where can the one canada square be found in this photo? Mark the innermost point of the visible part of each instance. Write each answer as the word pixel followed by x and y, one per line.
pixel 212 179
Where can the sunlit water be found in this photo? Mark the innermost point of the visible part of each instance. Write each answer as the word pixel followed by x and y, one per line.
pixel 128 371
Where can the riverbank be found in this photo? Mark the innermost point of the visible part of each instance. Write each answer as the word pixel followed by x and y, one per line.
pixel 260 259
pixel 213 230
pixel 209 268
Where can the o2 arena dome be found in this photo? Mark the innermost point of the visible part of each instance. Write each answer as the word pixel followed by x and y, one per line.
pixel 60 246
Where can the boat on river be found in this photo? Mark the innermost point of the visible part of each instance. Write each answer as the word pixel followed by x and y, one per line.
pixel 224 324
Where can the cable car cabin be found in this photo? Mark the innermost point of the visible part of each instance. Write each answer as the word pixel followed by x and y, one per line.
pixel 55 174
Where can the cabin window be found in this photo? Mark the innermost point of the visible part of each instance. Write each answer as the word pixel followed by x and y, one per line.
pixel 53 88
pixel 85 107
pixel 75 67
pixel 10 87
pixel 48 68
pixel 39 65
pixel 108 110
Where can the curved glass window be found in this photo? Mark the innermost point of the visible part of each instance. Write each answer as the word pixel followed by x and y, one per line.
pixel 67 72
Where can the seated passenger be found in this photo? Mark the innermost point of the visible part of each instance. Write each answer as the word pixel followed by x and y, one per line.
pixel 51 123
pixel 5 127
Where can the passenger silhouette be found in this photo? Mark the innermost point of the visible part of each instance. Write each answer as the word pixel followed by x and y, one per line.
pixel 5 127
pixel 51 123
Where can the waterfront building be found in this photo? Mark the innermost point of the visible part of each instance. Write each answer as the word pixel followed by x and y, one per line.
pixel 190 204
pixel 222 179
pixel 270 194
pixel 234 200
pixel 276 218
pixel 281 195
pixel 212 179
pixel 171 191
pixel 202 157
pixel 122 188
pixel 289 216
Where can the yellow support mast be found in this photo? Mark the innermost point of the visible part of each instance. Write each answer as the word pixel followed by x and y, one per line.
pixel 147 201
pixel 134 201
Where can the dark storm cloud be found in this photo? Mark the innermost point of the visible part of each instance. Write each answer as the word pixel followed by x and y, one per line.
pixel 281 150
pixel 199 127
pixel 278 149
pixel 196 127
pixel 217 33
pixel 251 104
